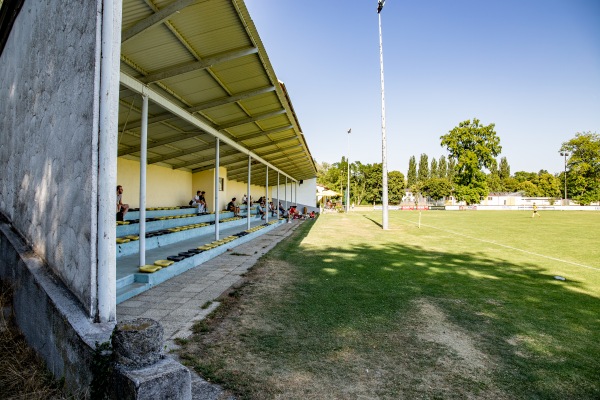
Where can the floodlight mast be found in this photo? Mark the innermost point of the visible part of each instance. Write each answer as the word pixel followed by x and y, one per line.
pixel 348 185
pixel 384 183
pixel 565 154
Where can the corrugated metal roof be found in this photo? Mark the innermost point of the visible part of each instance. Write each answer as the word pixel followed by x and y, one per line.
pixel 207 58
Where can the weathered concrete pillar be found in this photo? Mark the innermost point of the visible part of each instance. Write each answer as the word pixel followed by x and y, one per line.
pixel 142 371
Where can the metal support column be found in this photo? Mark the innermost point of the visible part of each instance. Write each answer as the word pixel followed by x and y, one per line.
pixel 384 183
pixel 143 163
pixel 217 208
pixel 248 195
pixel 285 194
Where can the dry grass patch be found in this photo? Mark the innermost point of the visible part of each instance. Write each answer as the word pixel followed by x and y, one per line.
pixel 259 356
pixel 22 374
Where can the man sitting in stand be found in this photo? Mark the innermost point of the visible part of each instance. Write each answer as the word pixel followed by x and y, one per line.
pixel 198 201
pixel 203 201
pixel 282 212
pixel 272 209
pixel 232 207
pixel 121 208
pixel 291 212
pixel 260 209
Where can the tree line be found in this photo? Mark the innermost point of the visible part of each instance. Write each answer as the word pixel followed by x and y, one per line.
pixel 471 171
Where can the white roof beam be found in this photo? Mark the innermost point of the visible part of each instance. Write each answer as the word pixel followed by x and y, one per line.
pixel 169 140
pixel 231 99
pixel 265 133
pixel 253 119
pixel 180 153
pixel 209 161
pixel 173 108
pixel 156 19
pixel 197 65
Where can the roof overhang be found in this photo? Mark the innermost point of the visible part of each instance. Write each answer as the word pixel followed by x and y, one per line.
pixel 207 76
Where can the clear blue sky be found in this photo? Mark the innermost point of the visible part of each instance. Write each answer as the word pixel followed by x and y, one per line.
pixel 531 67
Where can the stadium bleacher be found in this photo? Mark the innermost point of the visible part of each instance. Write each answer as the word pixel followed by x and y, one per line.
pixel 177 239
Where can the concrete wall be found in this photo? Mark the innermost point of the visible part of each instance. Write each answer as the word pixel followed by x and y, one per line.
pixel 306 195
pixel 165 187
pixel 49 140
pixel 55 153
pixel 51 318
pixel 239 189
pixel 168 187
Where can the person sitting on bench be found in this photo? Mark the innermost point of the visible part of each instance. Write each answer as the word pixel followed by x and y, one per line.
pixel 282 212
pixel 260 209
pixel 198 201
pixel 121 208
pixel 272 209
pixel 232 207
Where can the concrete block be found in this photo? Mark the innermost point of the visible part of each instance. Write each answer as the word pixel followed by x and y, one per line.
pixel 166 379
pixel 137 343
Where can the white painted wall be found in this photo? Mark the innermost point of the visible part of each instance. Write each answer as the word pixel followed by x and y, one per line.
pixel 49 136
pixel 306 195
pixel 165 187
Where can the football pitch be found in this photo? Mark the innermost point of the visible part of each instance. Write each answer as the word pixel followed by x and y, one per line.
pixel 559 237
pixel 444 304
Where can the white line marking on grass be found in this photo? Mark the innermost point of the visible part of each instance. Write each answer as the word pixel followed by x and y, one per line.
pixel 506 246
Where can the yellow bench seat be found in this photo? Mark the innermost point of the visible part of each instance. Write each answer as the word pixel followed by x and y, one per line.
pixel 150 268
pixel 163 263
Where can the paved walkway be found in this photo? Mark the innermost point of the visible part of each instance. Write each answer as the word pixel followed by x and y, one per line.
pixel 177 303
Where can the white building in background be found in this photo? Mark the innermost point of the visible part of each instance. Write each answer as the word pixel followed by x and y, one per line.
pixel 517 199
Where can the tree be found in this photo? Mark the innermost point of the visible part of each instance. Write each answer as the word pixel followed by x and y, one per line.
pixel 423 173
pixel 529 189
pixel 504 171
pixel 522 176
pixel 411 176
pixel 395 186
pixel 373 184
pixel 510 184
pixel 549 185
pixel 474 147
pixel 357 182
pixel 442 167
pixel 584 167
pixel 433 172
pixel 328 175
pixel 451 170
pixel 437 188
pixel 494 183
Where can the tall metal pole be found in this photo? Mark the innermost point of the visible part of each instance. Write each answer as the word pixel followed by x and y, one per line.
pixel 565 154
pixel 348 185
pixel 248 202
pixel 384 197
pixel 285 193
pixel 217 207
pixel 266 209
pixel 143 163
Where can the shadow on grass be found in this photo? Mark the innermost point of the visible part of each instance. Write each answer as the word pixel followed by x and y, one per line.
pixel 373 221
pixel 542 334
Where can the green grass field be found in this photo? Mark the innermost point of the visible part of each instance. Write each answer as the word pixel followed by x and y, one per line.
pixel 464 306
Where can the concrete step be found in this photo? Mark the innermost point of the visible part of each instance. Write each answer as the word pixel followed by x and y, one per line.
pixel 134 282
